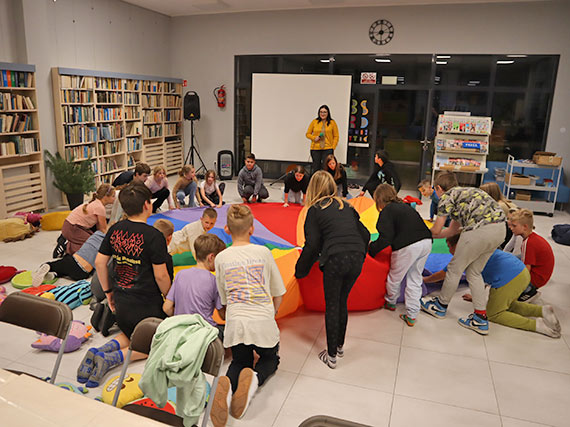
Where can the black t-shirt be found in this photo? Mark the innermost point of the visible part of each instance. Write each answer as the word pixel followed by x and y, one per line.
pixel 124 178
pixel 292 184
pixel 134 247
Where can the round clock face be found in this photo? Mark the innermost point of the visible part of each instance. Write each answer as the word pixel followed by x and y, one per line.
pixel 381 32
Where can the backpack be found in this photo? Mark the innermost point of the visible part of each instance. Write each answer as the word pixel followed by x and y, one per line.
pixel 74 294
pixel 561 234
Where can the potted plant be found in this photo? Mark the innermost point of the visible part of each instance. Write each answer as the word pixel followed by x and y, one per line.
pixel 75 179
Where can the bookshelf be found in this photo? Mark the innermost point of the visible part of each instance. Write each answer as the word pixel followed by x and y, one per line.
pixel 22 176
pixel 117 120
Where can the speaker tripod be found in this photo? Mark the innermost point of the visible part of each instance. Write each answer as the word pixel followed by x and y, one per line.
pixel 193 150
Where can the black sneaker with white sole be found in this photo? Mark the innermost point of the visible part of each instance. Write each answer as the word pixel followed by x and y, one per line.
pixel 59 250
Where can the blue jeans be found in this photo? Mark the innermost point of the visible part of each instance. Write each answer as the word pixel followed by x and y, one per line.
pixel 189 190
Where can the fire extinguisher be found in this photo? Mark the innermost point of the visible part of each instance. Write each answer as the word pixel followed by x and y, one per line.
pixel 220 95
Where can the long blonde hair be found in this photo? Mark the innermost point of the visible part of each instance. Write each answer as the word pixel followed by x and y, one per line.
pixel 102 191
pixel 322 190
pixel 493 190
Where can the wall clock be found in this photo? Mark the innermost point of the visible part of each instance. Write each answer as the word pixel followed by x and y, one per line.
pixel 381 32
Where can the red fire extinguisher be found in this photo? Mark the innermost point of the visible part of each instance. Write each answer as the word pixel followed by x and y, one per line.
pixel 220 95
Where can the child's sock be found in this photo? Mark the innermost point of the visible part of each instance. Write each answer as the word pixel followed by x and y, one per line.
pixel 482 314
pixel 409 321
pixel 103 363
pixel 550 318
pixel 543 328
pixel 327 359
pixel 86 367
pixel 112 345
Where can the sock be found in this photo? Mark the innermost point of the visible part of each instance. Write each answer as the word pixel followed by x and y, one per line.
pixel 442 304
pixel 112 345
pixel 86 367
pixel 104 362
pixel 482 314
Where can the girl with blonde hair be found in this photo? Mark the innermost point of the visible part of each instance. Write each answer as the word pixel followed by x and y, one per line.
pixel 186 185
pixel 335 237
pixel 157 183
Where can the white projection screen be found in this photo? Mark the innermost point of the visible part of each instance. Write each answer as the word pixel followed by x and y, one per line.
pixel 282 107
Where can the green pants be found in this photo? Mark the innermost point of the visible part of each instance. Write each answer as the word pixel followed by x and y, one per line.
pixel 504 309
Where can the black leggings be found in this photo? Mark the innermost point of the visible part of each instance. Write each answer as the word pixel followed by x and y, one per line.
pixel 68 267
pixel 161 195
pixel 242 357
pixel 339 274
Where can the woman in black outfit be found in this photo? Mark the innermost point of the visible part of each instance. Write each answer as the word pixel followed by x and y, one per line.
pixel 332 166
pixel 384 173
pixel 336 238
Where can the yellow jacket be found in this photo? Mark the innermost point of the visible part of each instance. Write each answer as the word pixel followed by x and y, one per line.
pixel 331 135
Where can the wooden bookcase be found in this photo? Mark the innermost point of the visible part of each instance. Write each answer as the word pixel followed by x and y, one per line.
pixel 117 120
pixel 22 177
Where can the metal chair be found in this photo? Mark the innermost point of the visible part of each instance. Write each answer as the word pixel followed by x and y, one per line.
pixel 141 340
pixel 39 314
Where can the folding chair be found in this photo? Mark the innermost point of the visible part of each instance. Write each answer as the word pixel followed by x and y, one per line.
pixel 39 314
pixel 141 340
pixel 326 421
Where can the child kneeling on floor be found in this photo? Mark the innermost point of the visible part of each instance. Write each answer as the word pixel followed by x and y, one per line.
pixel 139 275
pixel 400 226
pixel 508 277
pixel 251 287
pixel 183 240
pixel 194 290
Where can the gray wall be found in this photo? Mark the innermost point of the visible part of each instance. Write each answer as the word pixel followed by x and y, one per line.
pixel 105 35
pixel 205 46
pixel 12 36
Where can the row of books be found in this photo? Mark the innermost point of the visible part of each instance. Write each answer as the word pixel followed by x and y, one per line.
pixel 107 83
pixel 130 85
pixel 109 132
pixel 80 152
pixel 107 165
pixel 151 101
pixel 172 87
pixel 16 79
pixel 132 113
pixel 148 86
pixel 471 125
pixel 461 144
pixel 75 114
pixel 152 116
pixel 152 131
pixel 19 146
pixel 134 144
pixel 80 134
pixel 76 96
pixel 172 129
pixel 133 128
pixel 15 123
pixel 109 114
pixel 172 101
pixel 131 161
pixel 171 115
pixel 10 101
pixel 78 82
pixel 106 148
pixel 109 97
pixel 132 98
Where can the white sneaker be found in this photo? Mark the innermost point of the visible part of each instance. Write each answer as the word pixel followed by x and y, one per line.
pixel 247 386
pixel 39 275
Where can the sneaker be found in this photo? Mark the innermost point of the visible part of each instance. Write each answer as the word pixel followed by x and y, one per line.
pixel 475 323
pixel 528 294
pixel 221 404
pixel 327 360
pixel 59 250
pixel 340 351
pixel 39 275
pixel 433 306
pixel 389 306
pixel 247 386
pixel 409 321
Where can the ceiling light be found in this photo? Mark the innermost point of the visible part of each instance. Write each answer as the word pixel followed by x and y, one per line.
pixel 443 56
pixel 437 78
pixel 505 62
pixel 441 62
pixel 475 82
pixel 382 60
pixel 517 56
pixel 325 60
pixel 400 78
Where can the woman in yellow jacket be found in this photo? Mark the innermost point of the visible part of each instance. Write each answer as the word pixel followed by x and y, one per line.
pixel 323 133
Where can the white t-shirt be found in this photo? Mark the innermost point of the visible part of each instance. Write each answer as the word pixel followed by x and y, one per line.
pixel 183 240
pixel 209 189
pixel 248 279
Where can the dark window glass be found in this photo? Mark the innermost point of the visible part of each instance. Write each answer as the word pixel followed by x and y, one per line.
pixel 246 65
pixel 308 64
pixel 463 70
pixel 532 72
pixel 451 100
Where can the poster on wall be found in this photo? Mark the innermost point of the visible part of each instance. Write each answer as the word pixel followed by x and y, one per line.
pixel 367 78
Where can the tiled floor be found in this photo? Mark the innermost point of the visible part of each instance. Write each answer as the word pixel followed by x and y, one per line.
pixel 436 373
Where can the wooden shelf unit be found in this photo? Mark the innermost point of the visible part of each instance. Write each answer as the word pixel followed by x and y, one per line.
pixel 22 175
pixel 118 120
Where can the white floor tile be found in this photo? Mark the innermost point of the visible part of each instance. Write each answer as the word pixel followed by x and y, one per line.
pixel 448 379
pixel 313 396
pixel 532 394
pixel 376 325
pixel 512 422
pixel 408 412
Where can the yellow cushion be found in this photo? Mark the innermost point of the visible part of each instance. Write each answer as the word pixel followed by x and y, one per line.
pixel 54 220
pixel 129 392
pixel 14 229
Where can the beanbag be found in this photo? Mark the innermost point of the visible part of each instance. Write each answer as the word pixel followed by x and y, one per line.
pixel 6 273
pixel 561 234
pixel 129 390
pixel 23 280
pixel 78 335
pixel 54 220
pixel 366 294
pixel 13 229
pixel 2 294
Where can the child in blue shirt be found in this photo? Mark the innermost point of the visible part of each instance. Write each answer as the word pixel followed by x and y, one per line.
pixel 508 277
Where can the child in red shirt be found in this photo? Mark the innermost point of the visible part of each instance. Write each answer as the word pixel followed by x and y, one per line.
pixel 536 253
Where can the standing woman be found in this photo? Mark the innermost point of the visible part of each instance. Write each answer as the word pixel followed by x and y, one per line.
pixel 157 183
pixel 332 166
pixel 323 133
pixel 336 238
